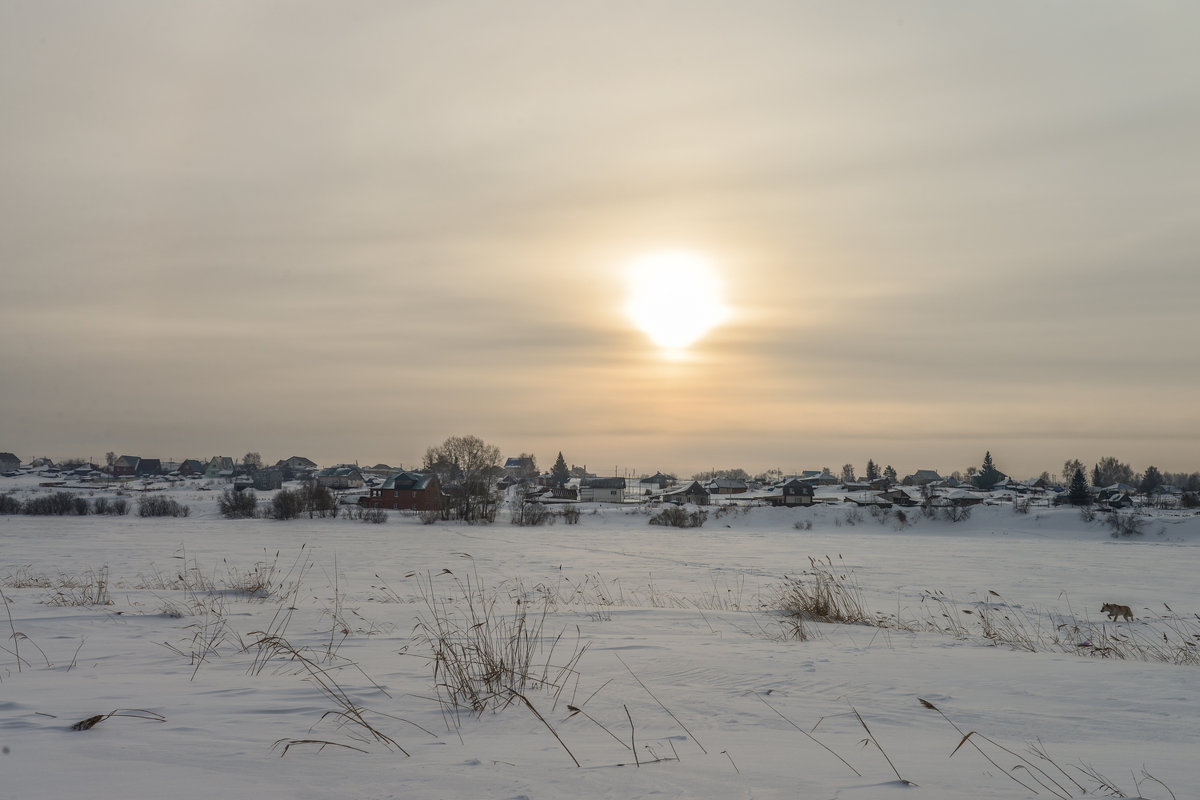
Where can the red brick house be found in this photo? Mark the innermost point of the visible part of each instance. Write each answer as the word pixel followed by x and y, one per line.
pixel 412 491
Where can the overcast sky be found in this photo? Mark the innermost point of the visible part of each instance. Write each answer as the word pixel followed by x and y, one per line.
pixel 350 230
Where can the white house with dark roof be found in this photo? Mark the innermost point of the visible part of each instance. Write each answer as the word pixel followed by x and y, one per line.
pixel 602 490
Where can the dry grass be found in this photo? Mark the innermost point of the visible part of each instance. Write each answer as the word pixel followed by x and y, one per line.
pixel 136 713
pixel 1039 770
pixel 88 588
pixel 823 593
pixel 349 717
pixel 485 656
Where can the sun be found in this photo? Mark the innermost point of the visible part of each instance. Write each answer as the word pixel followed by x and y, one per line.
pixel 675 298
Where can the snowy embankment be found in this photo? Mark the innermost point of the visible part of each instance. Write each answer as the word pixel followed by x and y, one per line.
pixel 685 679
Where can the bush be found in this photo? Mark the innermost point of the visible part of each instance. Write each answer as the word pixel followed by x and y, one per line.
pixel 1126 524
pixel 679 517
pixel 9 504
pixel 526 513
pixel 162 507
pixel 957 513
pixel 1190 500
pixel 54 504
pixel 375 515
pixel 570 515
pixel 120 507
pixel 429 517
pixel 286 504
pixel 318 501
pixel 238 505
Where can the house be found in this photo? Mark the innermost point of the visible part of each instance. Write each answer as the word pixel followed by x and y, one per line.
pixel 922 477
pixel 658 481
pixel 520 468
pixel 298 466
pixel 818 477
pixel 792 492
pixel 191 466
pixel 147 467
pixel 898 496
pixel 219 467
pixel 692 492
pixel 867 499
pixel 963 498
pixel 125 466
pixel 413 491
pixel 726 486
pixel 264 480
pixel 1117 500
pixel 343 476
pixel 602 490
pixel 9 462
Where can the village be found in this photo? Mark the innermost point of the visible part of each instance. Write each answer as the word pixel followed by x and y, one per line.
pixel 448 488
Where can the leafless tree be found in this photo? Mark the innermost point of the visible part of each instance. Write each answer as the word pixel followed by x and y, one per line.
pixel 467 468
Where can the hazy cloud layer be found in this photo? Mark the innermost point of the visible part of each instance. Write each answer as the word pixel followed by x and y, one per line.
pixel 349 231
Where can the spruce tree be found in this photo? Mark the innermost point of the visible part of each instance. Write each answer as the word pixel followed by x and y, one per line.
pixel 1151 480
pixel 988 476
pixel 1078 492
pixel 559 472
pixel 872 470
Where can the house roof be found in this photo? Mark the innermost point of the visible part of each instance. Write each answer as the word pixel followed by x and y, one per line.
pixel 694 487
pixel 340 471
pixel 414 481
pixel 602 483
pixel 297 461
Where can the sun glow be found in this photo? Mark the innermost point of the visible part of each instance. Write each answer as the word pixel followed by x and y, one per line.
pixel 675 298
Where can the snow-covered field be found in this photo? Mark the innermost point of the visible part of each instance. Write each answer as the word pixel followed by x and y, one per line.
pixel 681 657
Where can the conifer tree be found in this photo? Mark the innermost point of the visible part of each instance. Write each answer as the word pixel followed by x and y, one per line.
pixel 559 472
pixel 1078 492
pixel 1151 480
pixel 872 470
pixel 988 476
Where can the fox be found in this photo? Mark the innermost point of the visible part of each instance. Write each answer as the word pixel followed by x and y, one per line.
pixel 1113 610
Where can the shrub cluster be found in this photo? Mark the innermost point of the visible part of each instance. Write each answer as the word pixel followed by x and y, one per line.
pixel 62 504
pixel 117 507
pixel 9 504
pixel 526 513
pixel 1126 524
pixel 679 517
pixel 286 504
pixel 238 505
pixel 162 507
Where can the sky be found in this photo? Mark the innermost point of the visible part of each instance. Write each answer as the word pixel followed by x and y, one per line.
pixel 348 231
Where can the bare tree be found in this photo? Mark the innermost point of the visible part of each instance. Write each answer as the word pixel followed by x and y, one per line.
pixel 253 460
pixel 847 473
pixel 467 468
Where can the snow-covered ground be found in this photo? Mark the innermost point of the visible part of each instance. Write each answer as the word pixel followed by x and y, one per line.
pixel 681 656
